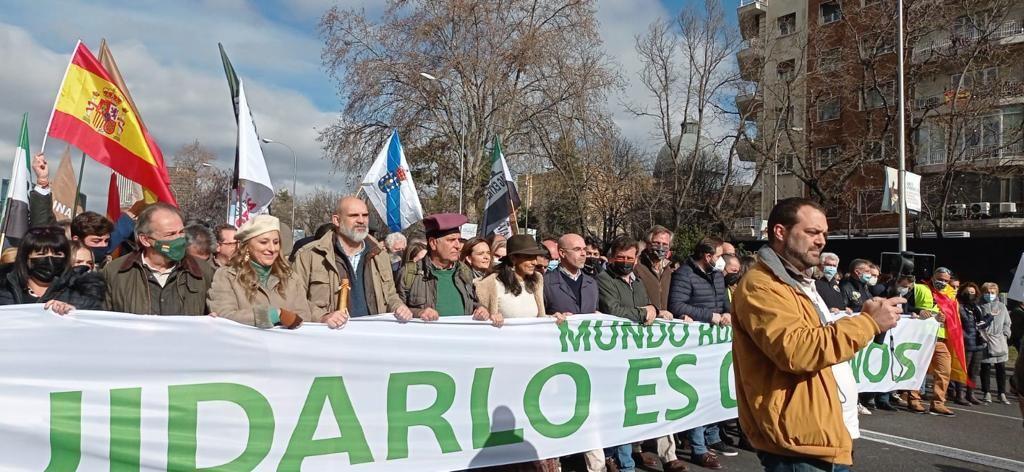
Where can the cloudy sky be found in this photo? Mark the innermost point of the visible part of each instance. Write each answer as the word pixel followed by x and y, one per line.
pixel 167 53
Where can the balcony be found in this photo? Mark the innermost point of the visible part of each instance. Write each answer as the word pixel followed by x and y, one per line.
pixel 751 59
pixel 751 8
pixel 974 157
pixel 1006 93
pixel 1010 32
pixel 749 103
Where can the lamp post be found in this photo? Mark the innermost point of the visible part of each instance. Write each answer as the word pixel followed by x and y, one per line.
pixel 295 175
pixel 462 140
pixel 902 178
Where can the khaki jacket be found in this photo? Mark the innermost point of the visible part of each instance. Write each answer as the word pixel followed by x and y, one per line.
pixel 657 285
pixel 487 293
pixel 418 286
pixel 788 398
pixel 128 288
pixel 229 299
pixel 317 273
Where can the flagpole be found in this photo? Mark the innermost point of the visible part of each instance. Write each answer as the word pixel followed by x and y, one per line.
pixel 78 188
pixel 46 132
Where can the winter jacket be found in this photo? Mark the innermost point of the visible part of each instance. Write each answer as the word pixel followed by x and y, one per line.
pixel 623 299
pixel 696 293
pixel 84 291
pixel 831 293
pixel 997 334
pixel 855 292
pixel 784 350
pixel 657 284
pixel 418 286
pixel 130 287
pixel 972 321
pixel 40 208
pixel 560 298
pixel 317 271
pixel 228 298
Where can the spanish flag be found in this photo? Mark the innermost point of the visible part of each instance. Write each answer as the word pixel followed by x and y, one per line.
pixel 94 114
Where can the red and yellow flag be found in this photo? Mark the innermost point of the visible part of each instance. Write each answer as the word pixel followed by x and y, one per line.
pixel 93 114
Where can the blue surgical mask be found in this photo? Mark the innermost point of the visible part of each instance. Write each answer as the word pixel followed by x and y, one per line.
pixel 865 277
pixel 830 272
pixel 990 297
pixel 552 265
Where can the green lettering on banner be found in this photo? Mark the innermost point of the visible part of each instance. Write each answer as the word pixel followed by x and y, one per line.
pixel 352 439
pixel 183 421
pixel 125 429
pixel 875 376
pixel 728 401
pixel 581 337
pixel 678 384
pixel 706 334
pixel 651 343
pixel 724 334
pixel 400 419
pixel 65 431
pixel 631 330
pixel 908 364
pixel 631 417
pixel 672 334
pixel 581 410
pixel 597 335
pixel 855 363
pixel 479 412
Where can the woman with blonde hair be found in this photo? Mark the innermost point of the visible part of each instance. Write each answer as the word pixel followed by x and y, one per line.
pixel 257 287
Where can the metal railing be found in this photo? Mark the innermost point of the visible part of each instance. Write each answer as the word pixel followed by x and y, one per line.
pixel 744 3
pixel 967 36
pixel 1004 90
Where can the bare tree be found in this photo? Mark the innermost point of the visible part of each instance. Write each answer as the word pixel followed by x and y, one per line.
pixel 199 187
pixel 510 68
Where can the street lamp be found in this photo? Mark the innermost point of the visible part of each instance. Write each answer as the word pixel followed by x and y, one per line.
pixel 775 183
pixel 462 141
pixel 295 175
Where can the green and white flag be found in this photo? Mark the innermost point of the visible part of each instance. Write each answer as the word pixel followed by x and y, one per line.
pixel 16 211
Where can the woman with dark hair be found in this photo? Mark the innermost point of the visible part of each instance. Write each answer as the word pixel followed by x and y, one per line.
pixel 974 320
pixel 258 287
pixel 476 254
pixel 515 289
pixel 41 273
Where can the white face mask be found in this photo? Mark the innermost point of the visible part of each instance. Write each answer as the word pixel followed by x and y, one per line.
pixel 720 264
pixel 872 281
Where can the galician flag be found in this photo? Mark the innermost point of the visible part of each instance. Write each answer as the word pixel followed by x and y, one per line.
pixel 389 186
pixel 502 197
pixel 254 191
pixel 16 215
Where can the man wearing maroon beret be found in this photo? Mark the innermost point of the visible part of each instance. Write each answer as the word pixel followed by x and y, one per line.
pixel 440 284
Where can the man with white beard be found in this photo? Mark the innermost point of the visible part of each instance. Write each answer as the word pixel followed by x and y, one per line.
pixel 349 253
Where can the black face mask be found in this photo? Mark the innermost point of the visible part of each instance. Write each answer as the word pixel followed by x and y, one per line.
pixel 732 279
pixel 46 268
pixel 620 269
pixel 593 266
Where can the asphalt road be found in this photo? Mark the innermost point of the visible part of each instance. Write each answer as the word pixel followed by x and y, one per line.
pixel 980 438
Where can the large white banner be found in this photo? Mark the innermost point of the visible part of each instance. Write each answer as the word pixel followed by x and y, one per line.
pixel 92 390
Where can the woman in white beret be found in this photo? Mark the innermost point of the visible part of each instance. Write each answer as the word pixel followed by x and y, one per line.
pixel 257 287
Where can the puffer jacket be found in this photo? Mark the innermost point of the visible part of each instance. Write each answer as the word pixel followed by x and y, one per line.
pixel 84 291
pixel 696 293
pixel 973 320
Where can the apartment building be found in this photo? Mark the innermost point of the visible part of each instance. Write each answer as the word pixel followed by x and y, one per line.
pixel 821 107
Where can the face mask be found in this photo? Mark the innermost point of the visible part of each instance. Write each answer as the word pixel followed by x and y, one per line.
pixel 620 269
pixel 592 267
pixel 46 268
pixel 939 285
pixel 872 281
pixel 173 249
pixel 552 265
pixel 720 264
pixel 660 252
pixel 732 279
pixel 99 254
pixel 990 297
pixel 903 291
pixel 829 271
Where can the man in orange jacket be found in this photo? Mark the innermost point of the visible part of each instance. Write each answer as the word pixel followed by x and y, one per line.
pixel 797 395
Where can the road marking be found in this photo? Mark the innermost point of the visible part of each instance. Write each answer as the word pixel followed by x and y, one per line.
pixel 1014 418
pixel 944 451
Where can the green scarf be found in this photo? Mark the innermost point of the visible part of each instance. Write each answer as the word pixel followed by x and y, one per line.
pixel 262 272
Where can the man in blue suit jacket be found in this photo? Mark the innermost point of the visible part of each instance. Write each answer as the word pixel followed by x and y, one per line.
pixel 568 289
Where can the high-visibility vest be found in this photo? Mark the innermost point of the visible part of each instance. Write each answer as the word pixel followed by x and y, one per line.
pixel 923 300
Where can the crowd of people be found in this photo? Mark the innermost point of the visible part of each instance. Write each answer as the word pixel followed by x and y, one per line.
pixel 154 261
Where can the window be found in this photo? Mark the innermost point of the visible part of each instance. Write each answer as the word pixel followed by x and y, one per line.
pixel 877 149
pixel 876 44
pixel 829 60
pixel 931 148
pixel 786 70
pixel 786 161
pixel 785 117
pixel 787 24
pixel 830 12
pixel 828 109
pixel 981 78
pixel 827 156
pixel 877 97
